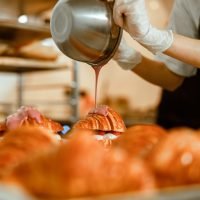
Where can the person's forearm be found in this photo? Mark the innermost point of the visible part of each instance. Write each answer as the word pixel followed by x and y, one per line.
pixel 185 49
pixel 156 72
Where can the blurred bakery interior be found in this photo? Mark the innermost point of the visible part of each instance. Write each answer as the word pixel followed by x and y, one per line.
pixel 34 72
pixel 51 148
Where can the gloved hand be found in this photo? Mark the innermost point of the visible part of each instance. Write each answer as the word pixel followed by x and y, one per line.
pixel 132 16
pixel 127 57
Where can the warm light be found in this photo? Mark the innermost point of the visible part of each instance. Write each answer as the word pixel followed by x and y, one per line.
pixel 23 19
pixel 47 42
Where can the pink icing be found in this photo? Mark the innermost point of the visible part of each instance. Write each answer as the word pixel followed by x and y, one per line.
pixel 101 110
pixel 16 120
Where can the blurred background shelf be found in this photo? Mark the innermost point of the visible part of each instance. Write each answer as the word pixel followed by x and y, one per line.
pixel 23 22
pixel 22 66
pixel 18 33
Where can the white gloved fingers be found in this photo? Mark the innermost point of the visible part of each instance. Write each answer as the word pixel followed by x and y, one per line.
pixel 120 12
pixel 131 15
pixel 118 15
pixel 139 21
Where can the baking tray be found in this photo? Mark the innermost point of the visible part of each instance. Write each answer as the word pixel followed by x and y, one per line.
pixel 182 193
pixel 8 192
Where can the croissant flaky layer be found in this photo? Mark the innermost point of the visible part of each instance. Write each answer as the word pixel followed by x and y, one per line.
pixel 46 123
pixel 111 121
pixel 22 143
pixel 83 167
pixel 145 157
pixel 175 160
pixel 139 140
pixel 29 116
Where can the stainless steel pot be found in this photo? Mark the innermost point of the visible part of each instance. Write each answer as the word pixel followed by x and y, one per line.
pixel 84 30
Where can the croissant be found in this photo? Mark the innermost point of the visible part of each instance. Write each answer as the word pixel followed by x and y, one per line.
pixel 139 140
pixel 106 123
pixel 21 143
pixel 104 120
pixel 29 116
pixel 82 167
pixel 175 159
pixel 2 127
pixel 46 123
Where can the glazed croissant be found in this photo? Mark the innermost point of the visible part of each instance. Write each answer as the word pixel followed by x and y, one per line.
pixel 46 123
pixel 29 116
pixel 82 167
pixel 22 143
pixel 104 119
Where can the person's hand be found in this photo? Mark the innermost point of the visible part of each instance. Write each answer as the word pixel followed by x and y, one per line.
pixel 132 16
pixel 127 57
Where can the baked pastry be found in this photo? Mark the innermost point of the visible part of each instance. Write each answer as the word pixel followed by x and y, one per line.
pixel 2 128
pixel 22 143
pixel 175 160
pixel 29 116
pixel 102 119
pixel 106 123
pixel 139 140
pixel 82 167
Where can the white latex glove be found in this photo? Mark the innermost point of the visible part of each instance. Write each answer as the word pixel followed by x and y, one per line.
pixel 132 16
pixel 126 56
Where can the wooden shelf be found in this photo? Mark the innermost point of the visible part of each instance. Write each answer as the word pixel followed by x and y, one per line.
pixel 32 7
pixel 19 65
pixel 19 34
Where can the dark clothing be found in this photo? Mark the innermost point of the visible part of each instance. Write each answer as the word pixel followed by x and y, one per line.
pixel 181 107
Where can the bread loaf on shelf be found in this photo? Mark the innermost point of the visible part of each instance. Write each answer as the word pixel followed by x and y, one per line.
pixel 36 50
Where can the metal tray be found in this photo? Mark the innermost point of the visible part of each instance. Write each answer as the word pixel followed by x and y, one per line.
pixel 180 193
